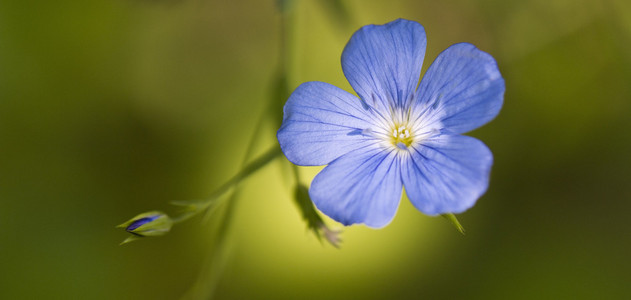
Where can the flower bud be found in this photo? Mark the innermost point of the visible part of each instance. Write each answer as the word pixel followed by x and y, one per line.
pixel 313 219
pixel 153 223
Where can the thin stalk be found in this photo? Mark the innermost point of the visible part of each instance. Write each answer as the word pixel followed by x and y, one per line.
pixel 248 170
pixel 245 172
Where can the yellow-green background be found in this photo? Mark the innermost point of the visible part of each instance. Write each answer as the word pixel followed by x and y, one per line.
pixel 111 108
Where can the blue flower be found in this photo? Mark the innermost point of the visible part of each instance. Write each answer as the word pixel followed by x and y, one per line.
pixel 395 135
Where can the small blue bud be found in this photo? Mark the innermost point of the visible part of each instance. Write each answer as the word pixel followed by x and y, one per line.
pixel 153 223
pixel 134 225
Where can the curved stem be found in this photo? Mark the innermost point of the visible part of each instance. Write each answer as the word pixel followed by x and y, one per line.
pixel 248 170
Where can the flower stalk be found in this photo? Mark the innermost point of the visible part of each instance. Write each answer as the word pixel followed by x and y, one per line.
pixel 156 223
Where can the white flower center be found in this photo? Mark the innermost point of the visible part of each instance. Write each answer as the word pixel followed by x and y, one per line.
pixel 401 135
pixel 402 129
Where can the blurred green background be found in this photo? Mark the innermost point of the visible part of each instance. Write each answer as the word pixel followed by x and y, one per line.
pixel 112 108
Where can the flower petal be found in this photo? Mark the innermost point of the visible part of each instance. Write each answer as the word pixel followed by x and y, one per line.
pixel 383 62
pixel 322 123
pixel 447 174
pixel 363 186
pixel 463 89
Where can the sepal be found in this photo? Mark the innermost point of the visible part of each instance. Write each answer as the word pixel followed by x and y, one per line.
pixel 454 221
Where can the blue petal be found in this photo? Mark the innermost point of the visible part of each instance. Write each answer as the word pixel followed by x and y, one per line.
pixel 363 186
pixel 447 174
pixel 322 123
pixel 383 62
pixel 134 225
pixel 462 89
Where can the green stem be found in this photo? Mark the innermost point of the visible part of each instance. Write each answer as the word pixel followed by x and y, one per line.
pixel 248 170
pixel 208 280
pixel 220 252
pixel 296 173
